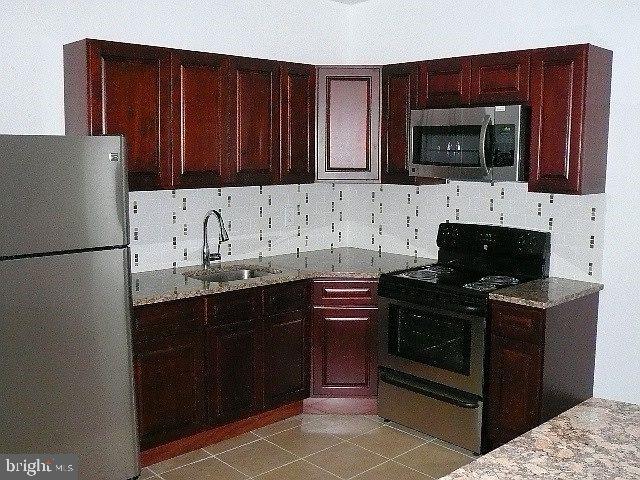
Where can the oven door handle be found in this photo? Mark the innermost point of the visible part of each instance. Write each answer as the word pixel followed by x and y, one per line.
pixel 460 400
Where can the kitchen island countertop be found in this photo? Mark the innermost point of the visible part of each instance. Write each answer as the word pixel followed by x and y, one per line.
pixel 171 284
pixel 597 439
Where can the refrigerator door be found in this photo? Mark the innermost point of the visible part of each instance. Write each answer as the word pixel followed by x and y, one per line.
pixel 66 376
pixel 61 194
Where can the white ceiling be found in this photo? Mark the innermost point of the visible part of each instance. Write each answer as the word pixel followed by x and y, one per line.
pixel 350 2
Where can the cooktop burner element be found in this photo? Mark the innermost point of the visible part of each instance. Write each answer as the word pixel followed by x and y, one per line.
pixel 492 282
pixel 430 273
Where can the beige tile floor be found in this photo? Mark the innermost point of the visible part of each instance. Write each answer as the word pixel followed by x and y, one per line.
pixel 318 447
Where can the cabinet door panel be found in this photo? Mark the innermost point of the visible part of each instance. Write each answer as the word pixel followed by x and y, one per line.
pixel 198 119
pixel 169 388
pixel 500 77
pixel 349 113
pixel 254 122
pixel 344 352
pixel 557 96
pixel 515 376
pixel 130 88
pixel 399 90
pixel 298 112
pixel 285 365
pixel 234 380
pixel 445 83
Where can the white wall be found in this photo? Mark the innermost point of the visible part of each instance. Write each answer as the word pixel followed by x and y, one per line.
pixel 383 31
pixel 378 31
pixel 33 32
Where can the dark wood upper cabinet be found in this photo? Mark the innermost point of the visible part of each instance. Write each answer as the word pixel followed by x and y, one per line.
pixel 348 124
pixel 122 89
pixel 254 133
pixel 445 83
pixel 570 94
pixel 500 77
pixel 297 123
pixel 199 119
pixel 399 96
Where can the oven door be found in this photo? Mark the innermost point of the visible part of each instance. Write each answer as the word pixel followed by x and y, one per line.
pixel 432 344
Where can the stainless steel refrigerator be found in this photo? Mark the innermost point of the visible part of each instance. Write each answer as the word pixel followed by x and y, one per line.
pixel 65 342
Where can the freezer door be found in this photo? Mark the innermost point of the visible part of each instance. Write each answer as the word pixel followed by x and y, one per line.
pixel 66 377
pixel 61 194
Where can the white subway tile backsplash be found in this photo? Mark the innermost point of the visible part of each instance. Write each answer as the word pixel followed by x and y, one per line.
pixel 278 219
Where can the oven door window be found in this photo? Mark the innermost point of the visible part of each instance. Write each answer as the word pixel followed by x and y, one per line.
pixel 447 146
pixel 430 338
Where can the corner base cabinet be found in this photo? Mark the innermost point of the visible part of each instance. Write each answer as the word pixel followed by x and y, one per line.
pixel 541 363
pixel 344 338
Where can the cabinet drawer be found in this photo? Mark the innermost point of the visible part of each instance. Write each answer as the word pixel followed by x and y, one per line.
pixel 517 322
pixel 345 292
pixel 167 318
pixel 286 297
pixel 234 307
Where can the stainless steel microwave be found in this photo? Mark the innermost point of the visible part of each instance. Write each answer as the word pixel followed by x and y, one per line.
pixel 475 143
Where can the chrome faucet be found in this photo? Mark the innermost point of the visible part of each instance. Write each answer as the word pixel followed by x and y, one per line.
pixel 223 237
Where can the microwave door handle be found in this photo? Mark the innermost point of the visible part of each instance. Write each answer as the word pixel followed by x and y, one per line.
pixel 483 137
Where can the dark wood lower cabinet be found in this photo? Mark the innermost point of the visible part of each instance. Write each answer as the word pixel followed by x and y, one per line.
pixel 344 339
pixel 286 362
pixel 514 405
pixel 208 361
pixel 169 381
pixel 233 373
pixel 541 363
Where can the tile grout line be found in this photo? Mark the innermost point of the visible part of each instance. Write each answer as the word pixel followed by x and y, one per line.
pixel 414 469
pixel 231 466
pixel 368 469
pixel 440 444
pixel 189 463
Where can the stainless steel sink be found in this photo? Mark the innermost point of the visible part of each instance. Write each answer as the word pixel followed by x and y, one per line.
pixel 218 275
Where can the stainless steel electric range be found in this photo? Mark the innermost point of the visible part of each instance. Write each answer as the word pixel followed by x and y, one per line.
pixel 433 327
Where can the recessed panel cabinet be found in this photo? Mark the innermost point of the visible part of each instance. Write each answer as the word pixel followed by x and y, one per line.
pixel 254 106
pixel 344 338
pixel 120 89
pixel 348 124
pixel 207 361
pixel 199 119
pixel 444 83
pixel 399 96
pixel 297 123
pixel 193 119
pixel 541 363
pixel 500 77
pixel 570 94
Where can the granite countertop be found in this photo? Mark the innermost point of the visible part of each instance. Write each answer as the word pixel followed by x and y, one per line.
pixel 598 439
pixel 165 285
pixel 546 292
